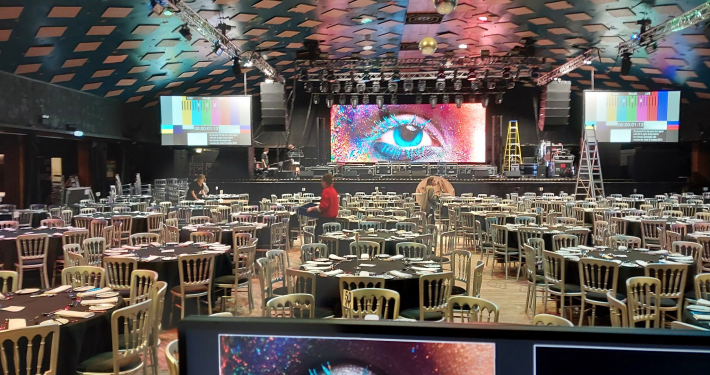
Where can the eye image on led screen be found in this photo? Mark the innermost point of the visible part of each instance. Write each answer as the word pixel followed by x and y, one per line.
pixel 622 117
pixel 205 121
pixel 351 356
pixel 408 133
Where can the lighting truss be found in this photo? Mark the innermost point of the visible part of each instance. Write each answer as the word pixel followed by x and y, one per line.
pixel 404 76
pixel 659 33
pixel 588 55
pixel 419 63
pixel 200 25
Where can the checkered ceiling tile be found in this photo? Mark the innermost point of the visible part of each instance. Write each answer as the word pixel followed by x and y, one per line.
pixel 115 49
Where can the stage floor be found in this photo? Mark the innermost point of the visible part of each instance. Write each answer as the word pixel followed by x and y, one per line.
pixel 258 189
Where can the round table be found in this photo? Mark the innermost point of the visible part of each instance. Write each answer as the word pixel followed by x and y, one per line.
pixel 167 270
pixel 690 318
pixel 633 227
pixel 8 252
pixel 79 340
pixel 353 223
pixel 328 288
pixel 139 223
pixel 390 243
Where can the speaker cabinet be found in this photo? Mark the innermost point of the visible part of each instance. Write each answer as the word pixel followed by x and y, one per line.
pixel 273 106
pixel 557 103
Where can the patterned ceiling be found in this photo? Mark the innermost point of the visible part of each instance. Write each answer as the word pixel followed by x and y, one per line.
pixel 118 49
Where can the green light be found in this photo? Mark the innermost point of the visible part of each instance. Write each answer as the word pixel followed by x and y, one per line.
pixel 168 12
pixel 366 20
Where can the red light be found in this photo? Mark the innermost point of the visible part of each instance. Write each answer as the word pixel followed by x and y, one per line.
pixel 563 165
pixel 483 18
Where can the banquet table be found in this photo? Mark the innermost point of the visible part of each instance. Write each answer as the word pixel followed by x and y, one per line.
pixel 509 218
pixel 344 241
pixel 139 225
pixel 328 288
pixel 5 215
pixel 547 236
pixel 166 265
pixel 263 231
pixel 103 207
pixel 690 318
pixel 352 222
pixel 79 340
pixel 633 225
pixel 8 251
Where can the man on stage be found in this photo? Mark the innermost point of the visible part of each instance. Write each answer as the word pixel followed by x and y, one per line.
pixel 329 204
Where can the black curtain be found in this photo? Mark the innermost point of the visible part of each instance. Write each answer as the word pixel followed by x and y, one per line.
pixel 97 166
pixel 32 186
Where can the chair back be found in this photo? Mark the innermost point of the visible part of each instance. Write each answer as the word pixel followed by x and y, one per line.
pixel 93 250
pixel 144 238
pixel 434 293
pixel 300 282
pixel 123 224
pixel 554 268
pixel 461 268
pixel 465 309
pixel 83 276
pixel 155 221
pixel 581 234
pixel 205 237
pixel 96 227
pixel 300 305
pixel 598 276
pixel 566 221
pixel 526 233
pixel 215 230
pixel 650 235
pixel 130 331
pixel 564 240
pixel 365 247
pixel 702 286
pixel 158 297
pixel 51 223
pixel 169 233
pixel 331 243
pixel 371 301
pixel 477 279
pixel 9 280
pixel 9 224
pixel 313 251
pixel 24 218
pixel 142 285
pixel 32 247
pixel 642 296
pixel 551 320
pixel 195 270
pixel 618 311
pixel 118 272
pixel 331 227
pixel 66 215
pixel 36 347
pixel 413 250
pixel 406 226
pixel 74 236
pixel 358 282
pixel 244 262
pixel 277 267
pixel 199 220
pixel 672 278
pixel 688 249
pixel 630 242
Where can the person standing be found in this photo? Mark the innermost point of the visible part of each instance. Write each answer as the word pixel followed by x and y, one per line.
pixel 195 191
pixel 265 158
pixel 429 199
pixel 329 204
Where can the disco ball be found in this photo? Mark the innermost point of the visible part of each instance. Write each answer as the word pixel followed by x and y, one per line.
pixel 427 46
pixel 445 6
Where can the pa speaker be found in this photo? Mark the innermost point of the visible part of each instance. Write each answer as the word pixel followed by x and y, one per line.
pixel 557 103
pixel 273 106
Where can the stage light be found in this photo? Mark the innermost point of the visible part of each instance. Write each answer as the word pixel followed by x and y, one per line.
pixel 268 80
pixel 335 87
pixel 217 48
pixel 308 87
pixel 458 99
pixel 330 76
pixel 348 86
pixel 506 73
pixel 457 84
pixel 78 133
pixel 186 33
pixel 366 99
pixel 444 6
pixel 483 18
pixel 408 86
pixel 625 64
pixel 353 101
pixel 445 99
pixel 324 87
pixel 366 76
pixel 421 85
pixel 393 99
pixel 375 86
pixel 304 75
pixel 499 98
pixel 198 150
pixel 535 73
pixel 367 48
pixel 427 46
pixel 395 76
pixel 392 87
pixel 491 84
pixel 432 101
pixel 236 68
pixel 587 62
pixel 366 19
pixel 472 75
pixel 634 36
pixel 440 86
pixel 475 86
pixel 316 99
pixel 360 87
pixel 463 46
pixel 250 63
pixel 418 99
pixel 329 100
pixel 441 76
pixel 484 101
pixel 380 100
pixel 341 99
pixel 510 85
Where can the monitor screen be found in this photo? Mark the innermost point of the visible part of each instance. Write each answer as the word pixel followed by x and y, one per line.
pixel 622 117
pixel 205 121
pixel 408 133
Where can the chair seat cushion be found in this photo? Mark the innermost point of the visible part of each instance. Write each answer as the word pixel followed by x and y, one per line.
pixel 439 259
pixel 282 291
pixel 31 262
pixel 539 279
pixel 457 291
pixel 569 288
pixel 667 302
pixel 413 313
pixel 229 279
pixel 190 289
pixel 601 297
pixel 104 363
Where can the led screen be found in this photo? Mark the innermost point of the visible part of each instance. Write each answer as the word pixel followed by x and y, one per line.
pixel 205 121
pixel 622 117
pixel 408 133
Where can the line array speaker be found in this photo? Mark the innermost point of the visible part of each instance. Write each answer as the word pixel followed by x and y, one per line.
pixel 273 106
pixel 557 104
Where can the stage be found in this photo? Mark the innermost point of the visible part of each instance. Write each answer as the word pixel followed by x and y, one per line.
pixel 258 189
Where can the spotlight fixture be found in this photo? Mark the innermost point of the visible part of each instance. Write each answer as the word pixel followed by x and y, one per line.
pixel 348 86
pixel 335 87
pixel 236 68
pixel 510 85
pixel 330 77
pixel 217 48
pixel 366 99
pixel 444 6
pixel 587 62
pixel 341 99
pixel 475 85
pixel 440 86
pixel 472 75
pixel 491 84
pixel 499 98
pixel 367 48
pixel 457 84
pixel 392 87
pixel 483 18
pixel 78 133
pixel 506 73
pixel 432 101
pixel 198 150
pixel 395 76
pixel 308 87
pixel 485 100
pixel 421 85
pixel 375 86
pixel 408 86
pixel 360 87
pixel 463 46
pixel 418 99
pixel 249 64
pixel 535 73
pixel 393 99
pixel 366 76
pixel 185 32
pixel 316 99
pixel 459 100
pixel 304 75
pixel 625 64
pixel 324 87
pixel 353 101
pixel 445 99
pixel 329 100
pixel 380 100
pixel 441 76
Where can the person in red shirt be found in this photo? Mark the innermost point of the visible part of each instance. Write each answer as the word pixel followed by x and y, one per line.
pixel 329 204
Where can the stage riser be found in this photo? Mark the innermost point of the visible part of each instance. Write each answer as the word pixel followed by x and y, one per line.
pixel 263 189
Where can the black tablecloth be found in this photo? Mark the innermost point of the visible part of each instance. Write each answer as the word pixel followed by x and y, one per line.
pixel 689 317
pixel 350 224
pixel 103 207
pixel 390 245
pixel 328 288
pixel 633 228
pixel 78 341
pixel 8 253
pixel 5 216
pixel 139 225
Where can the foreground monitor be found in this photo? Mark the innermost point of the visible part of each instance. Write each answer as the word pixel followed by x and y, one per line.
pixel 229 346
pixel 205 121
pixel 408 133
pixel 624 117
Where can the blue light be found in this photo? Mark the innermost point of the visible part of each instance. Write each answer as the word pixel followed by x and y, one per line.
pixel 634 36
pixel 78 133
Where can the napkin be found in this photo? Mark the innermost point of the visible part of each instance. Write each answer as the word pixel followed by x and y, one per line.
pixel 74 314
pixel 696 316
pixel 101 301
pixel 124 255
pixel 365 256
pixel 313 262
pixel 130 247
pixel 703 302
pixel 156 244
pixel 167 251
pixel 13 308
pixel 364 274
pixel 399 274
pixel 666 261
pixel 94 292
pixel 309 268
pixel 16 323
pixel 58 289
pixel 397 257
pixel 680 257
pixel 366 265
pixel 658 252
pixel 335 257
pixel 423 269
pixel 152 258
pixel 424 262
pixel 642 263
pixel 333 272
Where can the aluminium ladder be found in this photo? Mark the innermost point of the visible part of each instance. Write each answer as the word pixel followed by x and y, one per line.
pixel 512 155
pixel 590 183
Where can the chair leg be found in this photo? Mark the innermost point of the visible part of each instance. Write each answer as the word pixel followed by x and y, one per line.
pixel 46 279
pixel 562 305
pixel 582 313
pixel 527 298
pixel 209 302
pixel 19 278
pixel 544 301
pixel 507 260
pixel 182 307
pixel 594 314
